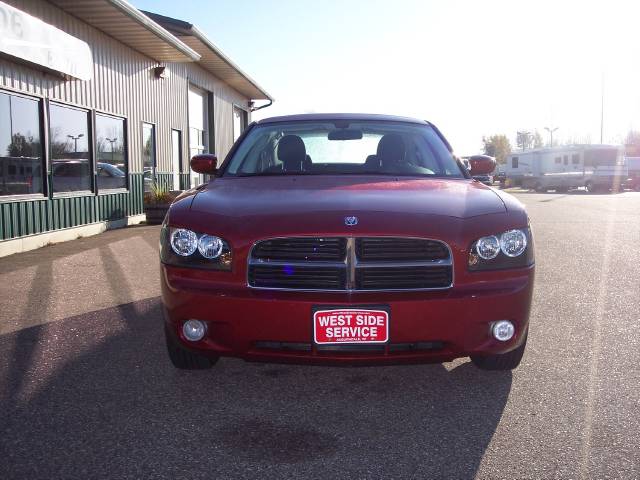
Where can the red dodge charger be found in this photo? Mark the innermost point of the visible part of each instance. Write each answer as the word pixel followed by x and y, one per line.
pixel 345 239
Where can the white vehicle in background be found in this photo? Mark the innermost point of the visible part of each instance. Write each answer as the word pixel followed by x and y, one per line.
pixel 633 177
pixel 595 167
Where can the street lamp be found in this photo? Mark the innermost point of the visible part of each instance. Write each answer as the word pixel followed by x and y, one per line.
pixel 525 139
pixel 551 130
pixel 75 141
pixel 111 141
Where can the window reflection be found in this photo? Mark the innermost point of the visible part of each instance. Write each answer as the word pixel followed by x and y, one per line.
pixel 69 134
pixel 148 154
pixel 111 152
pixel 20 146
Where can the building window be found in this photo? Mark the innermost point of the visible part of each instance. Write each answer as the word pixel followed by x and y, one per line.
pixel 558 159
pixel 514 162
pixel 111 152
pixel 148 154
pixel 69 143
pixel 20 145
pixel 239 122
pixel 575 158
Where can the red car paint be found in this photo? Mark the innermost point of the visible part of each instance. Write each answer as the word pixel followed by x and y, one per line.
pixel 246 210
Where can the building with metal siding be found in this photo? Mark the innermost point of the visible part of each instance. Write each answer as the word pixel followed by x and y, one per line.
pixel 142 71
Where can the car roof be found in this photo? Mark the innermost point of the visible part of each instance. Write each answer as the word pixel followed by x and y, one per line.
pixel 340 116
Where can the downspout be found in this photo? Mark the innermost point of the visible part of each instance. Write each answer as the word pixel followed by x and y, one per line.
pixel 253 109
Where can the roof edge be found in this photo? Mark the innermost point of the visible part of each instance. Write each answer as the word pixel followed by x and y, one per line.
pixel 186 28
pixel 202 37
pixel 140 17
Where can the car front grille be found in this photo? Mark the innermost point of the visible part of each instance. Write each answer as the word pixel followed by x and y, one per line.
pixel 392 248
pixel 310 249
pixel 350 264
pixel 399 278
pixel 298 277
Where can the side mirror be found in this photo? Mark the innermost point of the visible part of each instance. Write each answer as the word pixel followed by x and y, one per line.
pixel 482 164
pixel 204 163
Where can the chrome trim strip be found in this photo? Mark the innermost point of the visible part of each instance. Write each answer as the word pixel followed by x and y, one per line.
pixel 351 263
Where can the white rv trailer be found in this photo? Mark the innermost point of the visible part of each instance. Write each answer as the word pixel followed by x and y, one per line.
pixel 596 167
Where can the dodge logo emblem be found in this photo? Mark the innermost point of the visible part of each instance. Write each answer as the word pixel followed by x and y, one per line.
pixel 350 221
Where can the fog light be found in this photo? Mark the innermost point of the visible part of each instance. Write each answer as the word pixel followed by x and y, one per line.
pixel 193 330
pixel 503 330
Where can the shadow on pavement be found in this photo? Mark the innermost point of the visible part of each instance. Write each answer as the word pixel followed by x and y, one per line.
pixel 101 399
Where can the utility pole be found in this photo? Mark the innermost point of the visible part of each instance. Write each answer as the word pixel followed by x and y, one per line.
pixel 551 130
pixel 602 111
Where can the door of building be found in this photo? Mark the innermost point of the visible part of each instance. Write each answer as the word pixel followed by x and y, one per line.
pixel 198 121
pixel 176 157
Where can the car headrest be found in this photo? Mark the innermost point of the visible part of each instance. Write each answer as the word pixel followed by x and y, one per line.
pixel 292 153
pixel 391 149
pixel 372 163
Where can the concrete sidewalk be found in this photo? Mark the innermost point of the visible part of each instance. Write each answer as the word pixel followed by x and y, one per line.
pixel 79 276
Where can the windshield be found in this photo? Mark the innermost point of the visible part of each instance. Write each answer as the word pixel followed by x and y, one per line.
pixel 325 148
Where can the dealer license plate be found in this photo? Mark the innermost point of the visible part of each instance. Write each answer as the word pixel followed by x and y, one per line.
pixel 350 325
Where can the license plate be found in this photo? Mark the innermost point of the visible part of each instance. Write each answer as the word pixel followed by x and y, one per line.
pixel 350 325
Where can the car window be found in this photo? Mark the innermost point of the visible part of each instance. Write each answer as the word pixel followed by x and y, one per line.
pixel 317 148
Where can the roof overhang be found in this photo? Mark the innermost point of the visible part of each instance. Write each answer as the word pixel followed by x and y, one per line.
pixel 124 22
pixel 212 59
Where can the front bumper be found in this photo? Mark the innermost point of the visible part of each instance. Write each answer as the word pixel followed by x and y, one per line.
pixel 276 326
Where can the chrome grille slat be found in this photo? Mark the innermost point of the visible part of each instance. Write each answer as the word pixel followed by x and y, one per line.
pixel 350 264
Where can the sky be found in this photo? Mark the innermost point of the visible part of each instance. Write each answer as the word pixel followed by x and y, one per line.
pixel 474 68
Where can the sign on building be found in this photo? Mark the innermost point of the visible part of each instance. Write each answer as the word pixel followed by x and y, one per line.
pixel 35 41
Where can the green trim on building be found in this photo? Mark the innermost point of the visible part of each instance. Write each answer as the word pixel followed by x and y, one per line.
pixel 22 218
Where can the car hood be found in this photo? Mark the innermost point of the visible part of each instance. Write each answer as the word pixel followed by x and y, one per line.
pixel 304 196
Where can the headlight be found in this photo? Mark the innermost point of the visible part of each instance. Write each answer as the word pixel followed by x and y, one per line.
pixel 184 242
pixel 488 247
pixel 210 246
pixel 513 243
pixel 510 249
pixel 181 247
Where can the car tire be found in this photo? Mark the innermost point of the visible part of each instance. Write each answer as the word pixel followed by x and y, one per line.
pixel 503 361
pixel 184 359
pixel 538 188
pixel 591 188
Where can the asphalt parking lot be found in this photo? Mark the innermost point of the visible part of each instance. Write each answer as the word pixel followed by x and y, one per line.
pixel 87 391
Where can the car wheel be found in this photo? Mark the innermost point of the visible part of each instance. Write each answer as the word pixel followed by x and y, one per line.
pixel 503 361
pixel 591 188
pixel 538 188
pixel 183 358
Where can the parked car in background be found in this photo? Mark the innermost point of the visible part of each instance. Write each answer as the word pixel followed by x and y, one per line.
pixel 499 175
pixel 110 176
pixel 345 239
pixel 75 175
pixel 486 179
